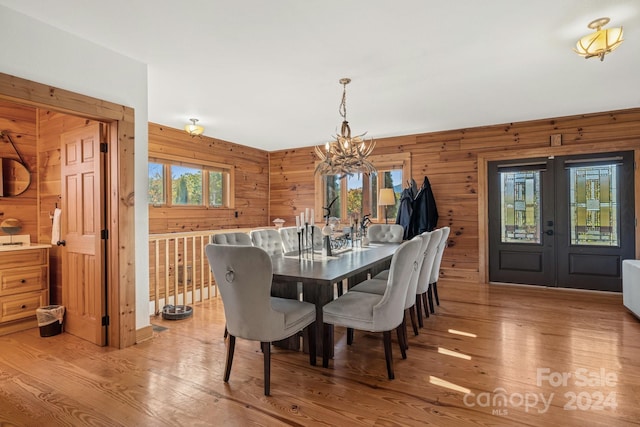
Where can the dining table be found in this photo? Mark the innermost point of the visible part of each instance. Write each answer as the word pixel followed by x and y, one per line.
pixel 319 273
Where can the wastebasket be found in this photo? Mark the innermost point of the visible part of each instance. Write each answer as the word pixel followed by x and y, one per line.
pixel 50 319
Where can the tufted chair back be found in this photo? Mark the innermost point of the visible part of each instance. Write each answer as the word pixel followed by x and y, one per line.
pixel 289 237
pixel 233 239
pixel 424 239
pixel 435 271
pixel 429 253
pixel 388 233
pixel 267 239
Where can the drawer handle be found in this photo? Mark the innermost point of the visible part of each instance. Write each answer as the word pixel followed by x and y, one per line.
pixel 23 306
pixel 23 281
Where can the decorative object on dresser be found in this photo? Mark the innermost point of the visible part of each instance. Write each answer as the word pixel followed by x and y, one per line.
pixel 11 226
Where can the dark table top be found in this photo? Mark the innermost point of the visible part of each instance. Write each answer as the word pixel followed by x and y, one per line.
pixel 329 270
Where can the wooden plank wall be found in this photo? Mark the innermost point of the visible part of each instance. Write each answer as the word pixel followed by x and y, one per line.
pixel 20 122
pixel 120 247
pixel 450 160
pixel 251 190
pixel 51 125
pixel 251 183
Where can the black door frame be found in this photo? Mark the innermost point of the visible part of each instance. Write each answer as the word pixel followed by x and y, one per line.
pixel 554 261
pixel 556 150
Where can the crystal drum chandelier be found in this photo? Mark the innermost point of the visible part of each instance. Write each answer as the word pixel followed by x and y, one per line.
pixel 347 154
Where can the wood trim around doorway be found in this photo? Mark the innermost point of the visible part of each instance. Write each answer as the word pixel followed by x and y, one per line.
pixel 120 222
pixel 483 203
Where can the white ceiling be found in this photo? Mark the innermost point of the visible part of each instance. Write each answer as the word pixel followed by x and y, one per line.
pixel 265 73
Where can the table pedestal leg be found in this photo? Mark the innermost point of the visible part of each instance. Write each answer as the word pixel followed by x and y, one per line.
pixel 319 294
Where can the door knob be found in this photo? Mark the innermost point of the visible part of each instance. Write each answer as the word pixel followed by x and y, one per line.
pixel 61 243
pixel 549 232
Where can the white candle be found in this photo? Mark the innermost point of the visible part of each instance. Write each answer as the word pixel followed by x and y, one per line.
pixel 312 217
pixel 301 219
pixel 297 221
pixel 306 214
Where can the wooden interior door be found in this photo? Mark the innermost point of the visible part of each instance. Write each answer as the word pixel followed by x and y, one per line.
pixel 83 288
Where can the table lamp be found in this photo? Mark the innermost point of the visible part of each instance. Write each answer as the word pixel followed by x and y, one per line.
pixel 386 198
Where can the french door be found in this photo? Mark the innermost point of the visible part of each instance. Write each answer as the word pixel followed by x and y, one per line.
pixel 565 221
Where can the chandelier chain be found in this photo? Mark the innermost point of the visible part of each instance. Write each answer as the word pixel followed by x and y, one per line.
pixel 343 105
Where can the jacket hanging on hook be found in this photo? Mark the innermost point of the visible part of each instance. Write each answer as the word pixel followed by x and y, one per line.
pixel 424 216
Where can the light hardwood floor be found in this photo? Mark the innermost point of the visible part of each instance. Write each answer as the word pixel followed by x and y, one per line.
pixel 516 342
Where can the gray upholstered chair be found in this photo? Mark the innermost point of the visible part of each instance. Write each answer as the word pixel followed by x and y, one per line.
pixel 384 233
pixel 289 237
pixel 268 239
pixel 372 312
pixel 234 238
pixel 389 233
pixel 435 271
pixel 423 288
pixel 378 286
pixel 243 275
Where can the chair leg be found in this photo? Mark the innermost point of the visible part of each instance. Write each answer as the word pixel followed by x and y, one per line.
pixel 402 340
pixel 425 304
pixel 326 338
pixel 419 310
pixel 311 334
pixel 339 288
pixel 230 349
pixel 349 336
pixel 435 292
pixel 405 338
pixel 266 349
pixel 430 294
pixel 414 320
pixel 387 354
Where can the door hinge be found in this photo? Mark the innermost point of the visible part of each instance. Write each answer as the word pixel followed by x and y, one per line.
pixel 105 320
pixel 104 234
pixel 104 147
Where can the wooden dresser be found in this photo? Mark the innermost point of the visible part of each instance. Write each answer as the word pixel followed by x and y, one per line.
pixel 24 286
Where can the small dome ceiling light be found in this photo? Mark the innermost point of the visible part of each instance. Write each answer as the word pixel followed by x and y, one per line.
pixel 193 128
pixel 601 42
